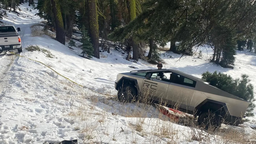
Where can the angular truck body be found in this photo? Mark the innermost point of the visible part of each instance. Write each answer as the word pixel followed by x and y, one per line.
pixel 181 91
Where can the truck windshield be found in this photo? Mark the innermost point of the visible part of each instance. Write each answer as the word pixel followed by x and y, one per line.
pixel 143 74
pixel 7 29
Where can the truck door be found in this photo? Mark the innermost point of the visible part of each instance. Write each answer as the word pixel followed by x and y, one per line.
pixel 154 88
pixel 181 91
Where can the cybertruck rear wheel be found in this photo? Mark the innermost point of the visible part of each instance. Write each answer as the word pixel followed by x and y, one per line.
pixel 209 120
pixel 127 93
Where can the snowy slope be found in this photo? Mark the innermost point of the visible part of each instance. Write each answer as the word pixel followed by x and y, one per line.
pixel 69 97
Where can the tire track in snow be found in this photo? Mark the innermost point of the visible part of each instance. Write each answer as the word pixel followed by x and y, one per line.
pixel 6 62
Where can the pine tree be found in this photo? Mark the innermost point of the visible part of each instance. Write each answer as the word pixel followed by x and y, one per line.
pixel 155 56
pixel 45 11
pixel 10 3
pixel 193 23
pixel 87 45
pixel 224 46
pixel 72 43
pixel 31 2
pixel 229 50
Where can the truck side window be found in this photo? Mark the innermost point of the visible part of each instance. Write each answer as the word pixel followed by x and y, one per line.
pixel 189 82
pixel 175 78
pixel 179 79
pixel 148 75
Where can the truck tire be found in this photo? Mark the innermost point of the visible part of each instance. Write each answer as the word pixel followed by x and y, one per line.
pixel 209 121
pixel 20 50
pixel 127 93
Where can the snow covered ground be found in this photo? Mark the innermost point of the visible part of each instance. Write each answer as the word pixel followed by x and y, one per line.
pixel 54 95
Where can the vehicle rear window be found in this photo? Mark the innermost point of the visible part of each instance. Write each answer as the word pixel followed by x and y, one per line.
pixel 7 29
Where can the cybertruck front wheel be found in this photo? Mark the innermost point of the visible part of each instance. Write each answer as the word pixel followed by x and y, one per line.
pixel 127 93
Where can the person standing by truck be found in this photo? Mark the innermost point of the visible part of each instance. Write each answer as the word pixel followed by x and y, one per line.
pixel 249 44
pixel 159 65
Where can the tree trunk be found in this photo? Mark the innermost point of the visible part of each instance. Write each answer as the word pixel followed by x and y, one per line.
pixel 113 14
pixel 60 34
pixel 69 25
pixel 135 50
pixel 218 56
pixel 132 9
pixel 30 2
pixel 214 54
pixel 85 17
pixel 173 46
pixel 128 49
pixel 150 48
pixel 13 5
pixel 94 26
pixel 133 16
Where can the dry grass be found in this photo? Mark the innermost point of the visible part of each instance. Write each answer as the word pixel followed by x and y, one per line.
pixel 161 127
pixel 47 53
pixel 165 130
pixel 138 126
pixel 80 113
pixel 233 136
pixel 88 131
pixel 130 112
pixel 94 99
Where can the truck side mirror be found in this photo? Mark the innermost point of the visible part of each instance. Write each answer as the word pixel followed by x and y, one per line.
pixel 18 29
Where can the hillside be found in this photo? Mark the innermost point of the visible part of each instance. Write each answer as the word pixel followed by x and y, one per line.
pixel 53 94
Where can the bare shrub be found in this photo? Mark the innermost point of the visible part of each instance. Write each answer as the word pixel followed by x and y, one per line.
pixel 94 99
pixel 233 136
pixel 138 127
pixel 37 30
pixel 199 135
pixel 32 48
pixel 47 53
pixel 37 48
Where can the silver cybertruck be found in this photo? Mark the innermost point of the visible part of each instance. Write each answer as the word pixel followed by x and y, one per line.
pixel 184 92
